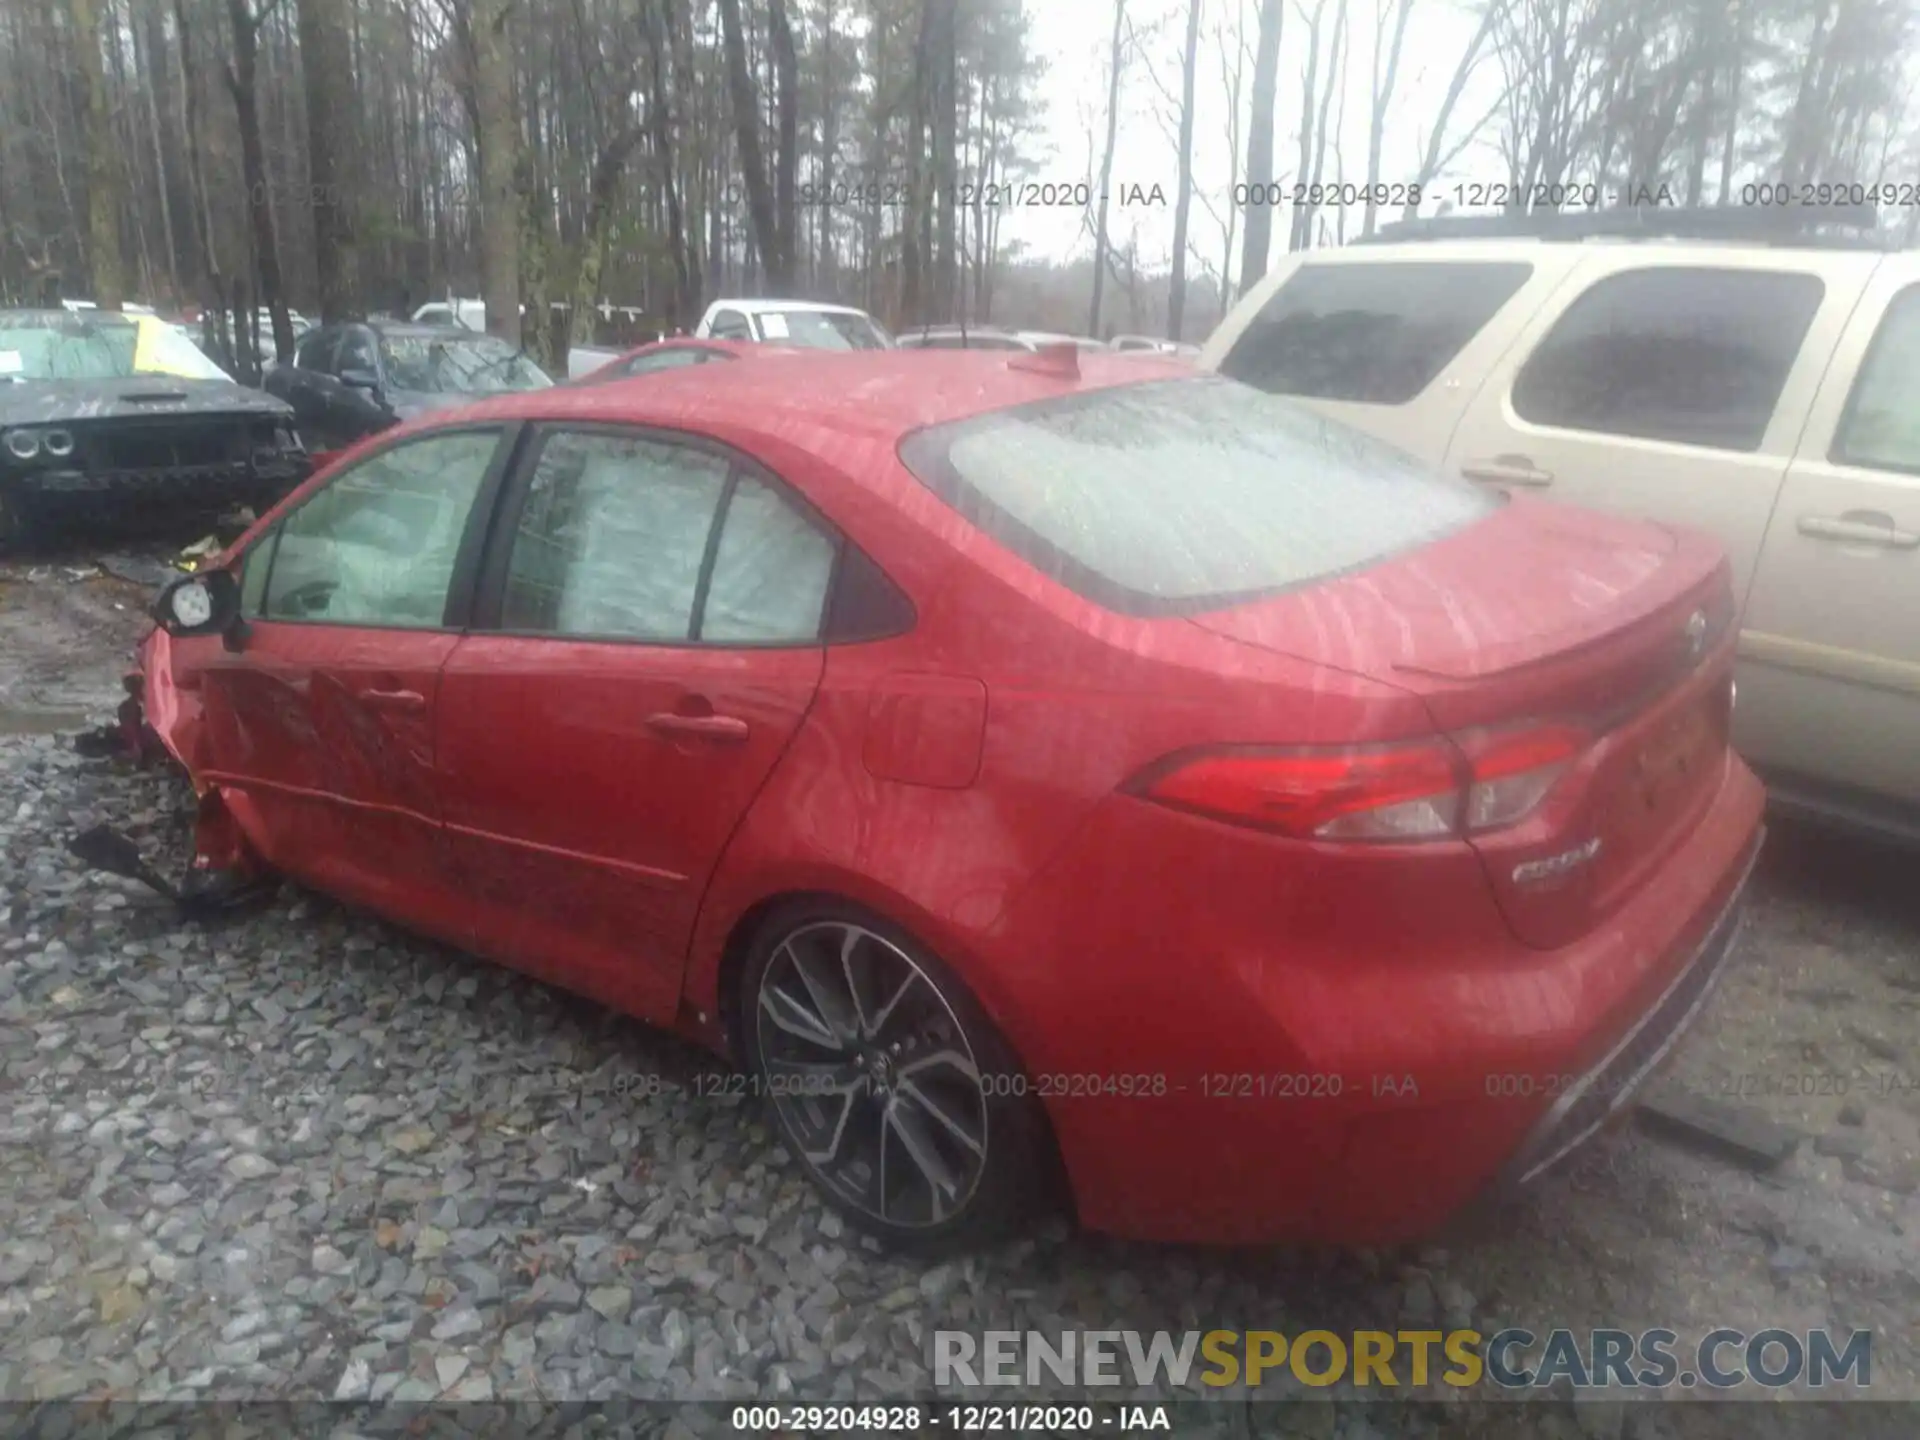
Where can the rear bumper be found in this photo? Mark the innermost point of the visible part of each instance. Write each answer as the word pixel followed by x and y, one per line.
pixel 1610 1087
pixel 1354 1048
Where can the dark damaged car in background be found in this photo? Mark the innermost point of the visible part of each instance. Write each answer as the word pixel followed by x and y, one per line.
pixel 112 422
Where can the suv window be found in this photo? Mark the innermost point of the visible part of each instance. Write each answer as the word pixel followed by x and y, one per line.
pixel 315 349
pixel 1372 333
pixel 1176 496
pixel 1881 429
pixel 617 541
pixel 357 352
pixel 377 545
pixel 731 325
pixel 1688 354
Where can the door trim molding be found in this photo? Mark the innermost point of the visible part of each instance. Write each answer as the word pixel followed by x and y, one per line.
pixel 1831 662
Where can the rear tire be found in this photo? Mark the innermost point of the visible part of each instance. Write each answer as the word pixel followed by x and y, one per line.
pixel 887 1081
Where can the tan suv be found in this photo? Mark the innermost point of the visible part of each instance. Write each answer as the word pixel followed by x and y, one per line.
pixel 1769 394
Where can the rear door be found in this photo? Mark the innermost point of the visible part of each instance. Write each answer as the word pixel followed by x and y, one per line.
pixel 654 607
pixel 321 725
pixel 1830 687
pixel 1664 390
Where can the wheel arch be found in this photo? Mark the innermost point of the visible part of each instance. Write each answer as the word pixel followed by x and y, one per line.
pixel 729 963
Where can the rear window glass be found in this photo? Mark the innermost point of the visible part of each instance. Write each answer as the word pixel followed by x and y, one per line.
pixel 1378 334
pixel 1177 496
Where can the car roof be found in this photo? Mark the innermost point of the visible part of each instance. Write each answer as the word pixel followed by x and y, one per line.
pixel 765 303
pixel 419 330
pixel 43 316
pixel 810 396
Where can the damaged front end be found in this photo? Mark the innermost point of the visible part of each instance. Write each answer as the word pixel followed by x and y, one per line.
pixel 224 874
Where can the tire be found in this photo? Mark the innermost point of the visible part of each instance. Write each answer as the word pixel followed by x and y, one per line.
pixel 887 1082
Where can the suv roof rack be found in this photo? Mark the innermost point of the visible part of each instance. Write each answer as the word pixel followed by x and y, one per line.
pixel 1807 226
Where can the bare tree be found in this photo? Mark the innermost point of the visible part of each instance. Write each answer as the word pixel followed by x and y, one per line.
pixel 1266 76
pixel 1183 192
pixel 1436 156
pixel 103 162
pixel 1382 94
pixel 327 67
pixel 746 121
pixel 497 128
pixel 243 84
pixel 1116 60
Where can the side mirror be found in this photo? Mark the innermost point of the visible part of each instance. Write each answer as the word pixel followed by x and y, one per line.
pixel 200 604
pixel 357 379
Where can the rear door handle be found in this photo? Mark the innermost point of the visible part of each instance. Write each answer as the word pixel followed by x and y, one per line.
pixel 1859 528
pixel 395 699
pixel 1507 470
pixel 703 727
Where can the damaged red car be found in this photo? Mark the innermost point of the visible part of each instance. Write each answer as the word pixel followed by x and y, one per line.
pixel 1033 771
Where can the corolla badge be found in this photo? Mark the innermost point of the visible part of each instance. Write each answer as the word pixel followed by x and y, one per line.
pixel 1695 633
pixel 1535 871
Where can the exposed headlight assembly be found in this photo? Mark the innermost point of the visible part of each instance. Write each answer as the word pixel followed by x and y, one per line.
pixel 23 444
pixel 57 443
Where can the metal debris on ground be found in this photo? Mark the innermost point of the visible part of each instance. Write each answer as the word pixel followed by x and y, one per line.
pixel 1744 1136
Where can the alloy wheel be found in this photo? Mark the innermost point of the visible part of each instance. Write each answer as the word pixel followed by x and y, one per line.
pixel 872 1074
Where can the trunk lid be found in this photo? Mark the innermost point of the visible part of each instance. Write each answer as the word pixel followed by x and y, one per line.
pixel 1544 613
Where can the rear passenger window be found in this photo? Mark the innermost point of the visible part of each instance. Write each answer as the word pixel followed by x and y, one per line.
pixel 1882 426
pixel 1687 354
pixel 1372 333
pixel 770 572
pixel 617 541
pixel 612 538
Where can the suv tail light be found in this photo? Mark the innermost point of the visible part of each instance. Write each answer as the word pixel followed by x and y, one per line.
pixel 1421 790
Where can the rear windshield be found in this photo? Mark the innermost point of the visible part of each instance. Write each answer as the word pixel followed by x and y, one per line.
pixel 1178 496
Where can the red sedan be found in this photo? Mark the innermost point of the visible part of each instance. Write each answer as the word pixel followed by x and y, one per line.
pixel 678 353
pixel 1024 767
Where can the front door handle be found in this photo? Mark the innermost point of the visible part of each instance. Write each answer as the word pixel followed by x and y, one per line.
pixel 1859 527
pixel 729 728
pixel 395 699
pixel 1507 470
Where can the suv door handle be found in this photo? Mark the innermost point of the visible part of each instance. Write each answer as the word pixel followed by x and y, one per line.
pixel 1859 527
pixel 1507 470
pixel 704 727
pixel 395 699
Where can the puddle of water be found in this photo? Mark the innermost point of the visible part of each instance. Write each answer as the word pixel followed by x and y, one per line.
pixel 26 720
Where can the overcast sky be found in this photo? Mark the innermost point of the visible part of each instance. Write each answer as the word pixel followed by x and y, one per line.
pixel 1072 37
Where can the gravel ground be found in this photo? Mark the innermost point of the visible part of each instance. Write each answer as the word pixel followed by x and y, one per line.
pixel 299 1154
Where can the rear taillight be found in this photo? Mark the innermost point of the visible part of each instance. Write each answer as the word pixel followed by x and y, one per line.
pixel 1422 790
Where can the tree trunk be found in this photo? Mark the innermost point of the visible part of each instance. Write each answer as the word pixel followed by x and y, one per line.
pixel 686 285
pixel 786 158
pixel 1106 167
pixel 1302 216
pixel 944 118
pixel 1183 191
pixel 150 55
pixel 746 122
pixel 331 152
pixel 242 83
pixel 913 215
pixel 601 194
pixel 1266 76
pixel 499 137
pixel 103 161
pixel 1382 97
